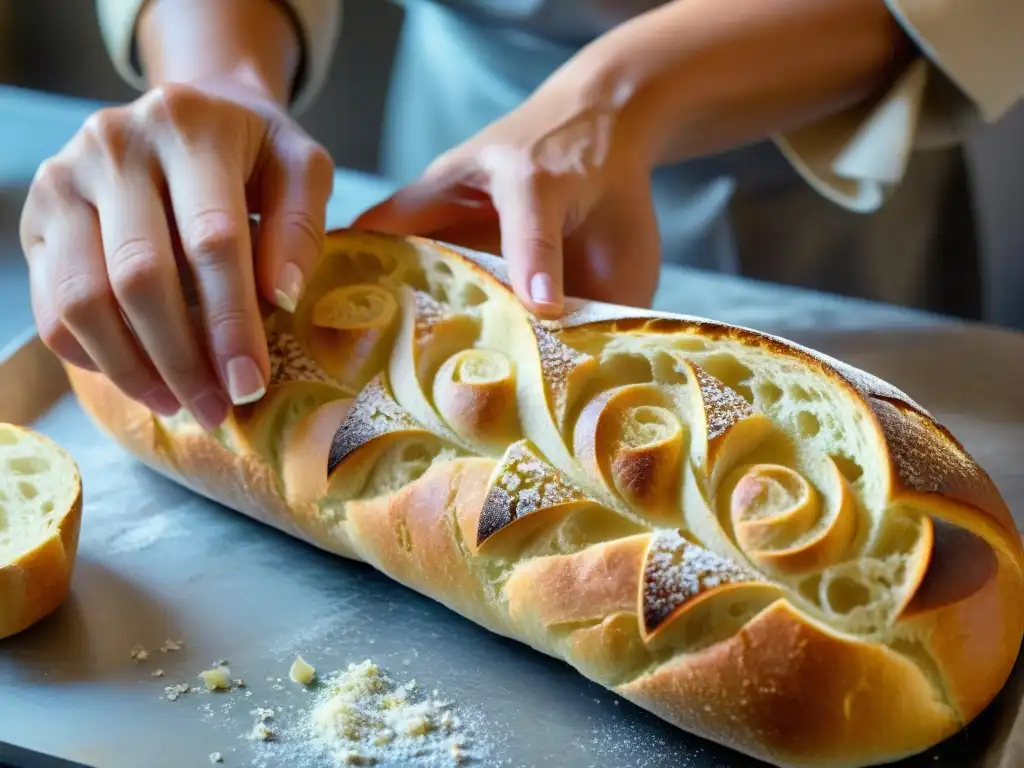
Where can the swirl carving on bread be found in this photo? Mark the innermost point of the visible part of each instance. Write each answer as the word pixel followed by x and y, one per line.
pixel 753 541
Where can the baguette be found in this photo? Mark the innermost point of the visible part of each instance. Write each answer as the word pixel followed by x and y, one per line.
pixel 40 518
pixel 755 542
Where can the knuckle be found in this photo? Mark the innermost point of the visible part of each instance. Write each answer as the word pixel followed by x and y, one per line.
pixel 213 237
pixel 55 335
pixel 132 379
pixel 77 298
pixel 304 225
pixel 186 375
pixel 542 243
pixel 136 270
pixel 190 114
pixel 107 132
pixel 56 179
pixel 170 104
pixel 318 165
pixel 230 329
pixel 228 322
pixel 105 124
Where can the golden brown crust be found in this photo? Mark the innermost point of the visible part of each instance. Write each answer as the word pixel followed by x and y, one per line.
pixel 571 535
pixel 790 692
pixel 415 536
pixel 128 422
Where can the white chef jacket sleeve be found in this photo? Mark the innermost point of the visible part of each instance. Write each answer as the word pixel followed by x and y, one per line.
pixel 318 23
pixel 970 71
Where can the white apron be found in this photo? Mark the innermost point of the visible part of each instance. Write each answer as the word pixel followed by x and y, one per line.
pixel 462 64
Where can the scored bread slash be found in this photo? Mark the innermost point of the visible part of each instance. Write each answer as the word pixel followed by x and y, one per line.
pixel 40 520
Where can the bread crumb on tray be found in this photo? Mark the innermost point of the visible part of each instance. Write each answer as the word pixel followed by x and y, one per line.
pixel 175 692
pixel 301 671
pixel 217 679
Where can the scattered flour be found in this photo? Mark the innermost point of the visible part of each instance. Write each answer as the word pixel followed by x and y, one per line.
pixel 362 716
pixel 143 533
pixel 175 692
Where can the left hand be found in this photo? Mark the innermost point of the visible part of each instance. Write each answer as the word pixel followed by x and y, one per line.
pixel 560 187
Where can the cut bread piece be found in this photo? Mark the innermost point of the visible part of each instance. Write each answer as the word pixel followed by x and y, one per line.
pixel 40 517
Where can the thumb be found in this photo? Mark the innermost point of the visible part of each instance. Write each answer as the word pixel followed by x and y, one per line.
pixel 619 250
pixel 425 208
pixel 294 189
pixel 532 222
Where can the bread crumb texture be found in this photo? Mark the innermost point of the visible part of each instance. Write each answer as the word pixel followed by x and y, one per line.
pixel 40 517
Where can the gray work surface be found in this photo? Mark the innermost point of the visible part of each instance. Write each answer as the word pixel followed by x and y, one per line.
pixel 158 562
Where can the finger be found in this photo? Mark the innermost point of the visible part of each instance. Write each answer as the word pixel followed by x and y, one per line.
pixel 481 236
pixel 54 185
pixel 449 194
pixel 616 255
pixel 145 279
pixel 73 275
pixel 208 199
pixel 295 188
pixel 55 335
pixel 532 220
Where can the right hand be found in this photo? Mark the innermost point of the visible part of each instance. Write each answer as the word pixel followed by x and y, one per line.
pixel 150 202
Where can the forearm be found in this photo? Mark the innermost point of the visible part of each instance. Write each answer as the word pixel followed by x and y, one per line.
pixel 187 40
pixel 702 76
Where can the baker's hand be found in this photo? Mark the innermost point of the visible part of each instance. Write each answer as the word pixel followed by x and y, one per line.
pixel 148 206
pixel 560 187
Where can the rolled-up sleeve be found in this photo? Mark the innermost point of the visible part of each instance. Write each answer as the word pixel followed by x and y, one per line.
pixel 970 71
pixel 318 23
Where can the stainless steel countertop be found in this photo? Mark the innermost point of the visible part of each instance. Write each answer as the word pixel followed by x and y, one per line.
pixel 157 562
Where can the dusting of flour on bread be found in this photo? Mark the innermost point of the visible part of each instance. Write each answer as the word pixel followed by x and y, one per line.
pixel 556 359
pixel 289 362
pixel 723 406
pixel 676 571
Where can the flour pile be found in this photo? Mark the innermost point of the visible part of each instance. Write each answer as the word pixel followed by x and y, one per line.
pixel 363 717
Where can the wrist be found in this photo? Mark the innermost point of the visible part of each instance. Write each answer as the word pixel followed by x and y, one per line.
pixel 248 43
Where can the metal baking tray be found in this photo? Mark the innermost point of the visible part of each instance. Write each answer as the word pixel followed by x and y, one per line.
pixel 157 561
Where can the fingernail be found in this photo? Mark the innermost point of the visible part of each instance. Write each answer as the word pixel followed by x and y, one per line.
pixel 163 402
pixel 245 382
pixel 289 287
pixel 209 410
pixel 542 288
